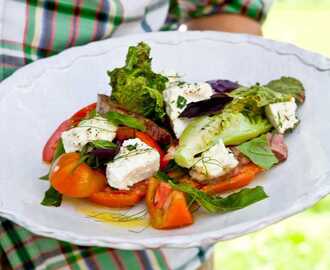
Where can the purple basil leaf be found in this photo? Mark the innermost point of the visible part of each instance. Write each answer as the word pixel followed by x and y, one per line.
pixel 223 86
pixel 206 107
pixel 105 153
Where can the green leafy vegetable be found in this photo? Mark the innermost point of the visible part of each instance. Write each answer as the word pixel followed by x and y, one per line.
pixel 250 100
pixel 238 128
pixel 259 152
pixel 203 132
pixel 136 87
pixel 181 102
pixel 102 144
pixel 98 153
pixel 125 120
pixel 58 151
pixel 52 198
pixel 217 204
pixel 289 86
pixel 44 177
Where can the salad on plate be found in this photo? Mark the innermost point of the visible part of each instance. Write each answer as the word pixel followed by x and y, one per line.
pixel 173 145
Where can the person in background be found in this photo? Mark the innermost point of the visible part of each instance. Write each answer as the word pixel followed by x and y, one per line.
pixel 35 29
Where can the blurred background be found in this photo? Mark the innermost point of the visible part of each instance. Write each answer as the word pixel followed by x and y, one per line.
pixel 303 241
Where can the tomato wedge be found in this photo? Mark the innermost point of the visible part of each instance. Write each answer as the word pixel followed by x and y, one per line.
pixel 50 146
pixel 120 198
pixel 72 178
pixel 162 193
pixel 167 208
pixel 246 174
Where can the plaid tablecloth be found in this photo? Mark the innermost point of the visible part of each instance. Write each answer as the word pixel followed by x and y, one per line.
pixel 33 29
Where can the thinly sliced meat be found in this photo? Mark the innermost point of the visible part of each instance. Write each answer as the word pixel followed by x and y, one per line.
pixel 278 146
pixel 105 104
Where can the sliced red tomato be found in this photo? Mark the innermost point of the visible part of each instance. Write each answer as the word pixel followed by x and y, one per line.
pixel 50 146
pixel 167 208
pixel 120 198
pixel 84 111
pixel 162 193
pixel 245 176
pixel 72 178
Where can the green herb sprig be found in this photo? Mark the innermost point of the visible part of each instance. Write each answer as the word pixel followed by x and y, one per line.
pixel 125 120
pixel 217 204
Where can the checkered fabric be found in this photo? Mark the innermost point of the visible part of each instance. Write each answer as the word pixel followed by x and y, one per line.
pixel 34 29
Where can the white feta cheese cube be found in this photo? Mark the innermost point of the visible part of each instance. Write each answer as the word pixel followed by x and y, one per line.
pixel 97 128
pixel 215 162
pixel 135 162
pixel 178 97
pixel 282 115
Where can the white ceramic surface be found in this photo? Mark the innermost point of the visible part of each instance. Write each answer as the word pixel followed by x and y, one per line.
pixel 38 97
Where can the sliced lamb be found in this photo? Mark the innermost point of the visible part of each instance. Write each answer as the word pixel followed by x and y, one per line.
pixel 278 146
pixel 105 104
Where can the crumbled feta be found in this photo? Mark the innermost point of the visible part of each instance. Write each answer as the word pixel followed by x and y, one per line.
pixel 178 97
pixel 216 161
pixel 136 161
pixel 97 128
pixel 282 115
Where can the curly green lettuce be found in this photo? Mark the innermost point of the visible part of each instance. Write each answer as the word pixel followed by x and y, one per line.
pixel 252 99
pixel 136 87
pixel 289 85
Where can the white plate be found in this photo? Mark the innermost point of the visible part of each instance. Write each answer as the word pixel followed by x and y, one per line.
pixel 38 97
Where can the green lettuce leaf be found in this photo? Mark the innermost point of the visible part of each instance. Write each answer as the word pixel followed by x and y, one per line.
pixel 259 152
pixel 125 120
pixel 289 86
pixel 238 128
pixel 136 87
pixel 203 132
pixel 217 204
pixel 250 100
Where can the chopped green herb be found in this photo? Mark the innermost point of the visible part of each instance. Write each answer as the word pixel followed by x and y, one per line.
pixel 131 147
pixel 181 102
